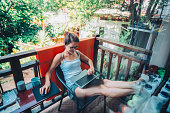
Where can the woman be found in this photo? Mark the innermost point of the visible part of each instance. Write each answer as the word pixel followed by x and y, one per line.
pixel 69 61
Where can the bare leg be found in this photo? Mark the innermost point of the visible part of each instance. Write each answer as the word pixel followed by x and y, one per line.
pixel 118 84
pixel 102 90
pixel 117 92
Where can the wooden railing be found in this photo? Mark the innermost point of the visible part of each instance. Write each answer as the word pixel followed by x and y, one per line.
pixel 44 57
pixel 16 67
pixel 120 54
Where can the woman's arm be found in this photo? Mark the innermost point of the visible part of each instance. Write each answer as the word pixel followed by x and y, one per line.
pixel 56 61
pixel 89 61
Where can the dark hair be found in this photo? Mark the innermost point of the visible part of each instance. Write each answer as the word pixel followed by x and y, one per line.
pixel 70 37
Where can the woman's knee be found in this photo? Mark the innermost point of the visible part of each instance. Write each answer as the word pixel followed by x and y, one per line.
pixel 104 90
pixel 105 81
pixel 80 92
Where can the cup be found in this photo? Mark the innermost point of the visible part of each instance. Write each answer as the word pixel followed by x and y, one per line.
pixel 21 85
pixel 35 81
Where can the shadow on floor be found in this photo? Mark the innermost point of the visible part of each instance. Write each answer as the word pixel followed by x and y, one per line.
pixel 68 106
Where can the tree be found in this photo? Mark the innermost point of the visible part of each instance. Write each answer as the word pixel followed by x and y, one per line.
pixel 16 22
pixel 136 7
pixel 80 10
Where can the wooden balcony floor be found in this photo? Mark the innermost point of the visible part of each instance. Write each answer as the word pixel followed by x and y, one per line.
pixel 68 106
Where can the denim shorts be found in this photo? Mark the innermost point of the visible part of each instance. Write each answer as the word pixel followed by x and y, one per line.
pixel 73 88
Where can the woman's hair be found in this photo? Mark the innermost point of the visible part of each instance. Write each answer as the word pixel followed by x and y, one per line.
pixel 70 37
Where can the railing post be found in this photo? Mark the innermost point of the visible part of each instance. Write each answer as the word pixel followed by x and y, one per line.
pixel 140 68
pixel 1 88
pixel 109 66
pixel 118 67
pixel 95 53
pixel 128 70
pixel 36 72
pixel 16 69
pixel 102 61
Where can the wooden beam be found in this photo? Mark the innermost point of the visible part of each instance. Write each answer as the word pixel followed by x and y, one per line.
pixel 140 68
pixel 95 53
pixel 126 46
pixel 118 67
pixel 102 60
pixel 122 54
pixel 24 66
pixel 19 55
pixel 36 69
pixel 128 70
pixel 16 70
pixel 109 66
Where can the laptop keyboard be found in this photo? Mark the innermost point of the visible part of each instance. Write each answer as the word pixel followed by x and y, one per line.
pixel 85 80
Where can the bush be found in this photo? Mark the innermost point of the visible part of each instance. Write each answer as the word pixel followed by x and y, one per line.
pixel 16 22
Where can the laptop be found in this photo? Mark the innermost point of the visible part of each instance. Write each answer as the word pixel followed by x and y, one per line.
pixel 83 78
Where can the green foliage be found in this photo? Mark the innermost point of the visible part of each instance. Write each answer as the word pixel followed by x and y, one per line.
pixel 80 10
pixel 55 31
pixel 5 65
pixel 151 8
pixel 18 19
pixel 16 22
pixel 43 39
pixel 124 36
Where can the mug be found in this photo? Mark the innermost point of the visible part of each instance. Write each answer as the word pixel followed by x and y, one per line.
pixel 21 85
pixel 35 81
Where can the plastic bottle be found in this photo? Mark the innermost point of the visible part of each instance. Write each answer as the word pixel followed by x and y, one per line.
pixel 134 104
pixel 163 98
pixel 137 100
pixel 144 77
pixel 168 109
pixel 154 81
pixel 155 77
pixel 142 82
pixel 166 88
pixel 149 106
pixel 168 82
pixel 147 90
pixel 139 85
pixel 131 103
pixel 137 88
pixel 155 103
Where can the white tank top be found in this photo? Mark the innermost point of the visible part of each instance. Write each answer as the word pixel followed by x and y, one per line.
pixel 71 68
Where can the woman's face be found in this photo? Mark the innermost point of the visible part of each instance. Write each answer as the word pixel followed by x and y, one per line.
pixel 70 48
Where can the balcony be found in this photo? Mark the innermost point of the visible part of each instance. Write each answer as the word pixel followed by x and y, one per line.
pixel 114 64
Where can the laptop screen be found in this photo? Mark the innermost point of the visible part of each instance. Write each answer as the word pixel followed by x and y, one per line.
pixel 82 79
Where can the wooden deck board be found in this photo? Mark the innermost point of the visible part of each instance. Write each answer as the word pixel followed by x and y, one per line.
pixel 68 106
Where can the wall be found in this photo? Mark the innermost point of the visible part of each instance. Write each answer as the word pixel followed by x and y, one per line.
pixel 161 48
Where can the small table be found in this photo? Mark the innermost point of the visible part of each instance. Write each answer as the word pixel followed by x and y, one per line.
pixel 27 100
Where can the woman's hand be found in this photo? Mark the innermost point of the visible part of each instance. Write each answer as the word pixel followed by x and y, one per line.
pixel 90 71
pixel 46 87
